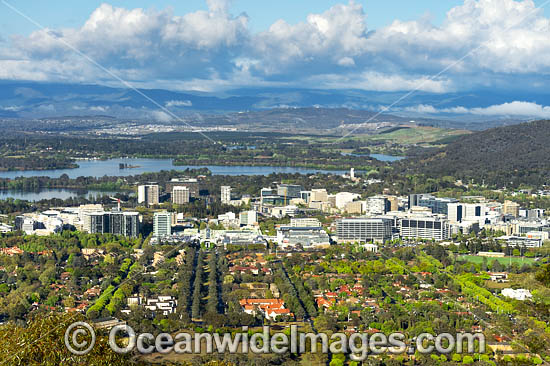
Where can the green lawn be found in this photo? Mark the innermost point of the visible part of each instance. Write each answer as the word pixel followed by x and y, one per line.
pixel 418 135
pixel 505 260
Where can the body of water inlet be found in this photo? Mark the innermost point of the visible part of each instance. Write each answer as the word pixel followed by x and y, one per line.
pixel 50 193
pixel 111 167
pixel 381 157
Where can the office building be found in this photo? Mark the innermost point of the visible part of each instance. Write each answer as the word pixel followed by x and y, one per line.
pixel 458 212
pixel 226 194
pixel 436 204
pixel 191 183
pixel 355 207
pixel 305 222
pixel 424 227
pixel 510 208
pixel 248 218
pixel 319 195
pixel 341 199
pixel 289 190
pixel 523 241
pixel 275 200
pixel 305 237
pixel 180 195
pixel 148 194
pixel 364 229
pixel 305 196
pixel 377 205
pixel 394 203
pixel 268 192
pixel 162 224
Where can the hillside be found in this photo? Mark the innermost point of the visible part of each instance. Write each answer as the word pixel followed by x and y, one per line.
pixel 503 156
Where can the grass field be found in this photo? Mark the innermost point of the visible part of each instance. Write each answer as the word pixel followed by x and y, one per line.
pixel 505 260
pixel 417 135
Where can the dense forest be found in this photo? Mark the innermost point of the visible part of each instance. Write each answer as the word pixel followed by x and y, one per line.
pixel 504 156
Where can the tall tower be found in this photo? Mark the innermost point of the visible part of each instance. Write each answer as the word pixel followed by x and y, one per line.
pixel 226 194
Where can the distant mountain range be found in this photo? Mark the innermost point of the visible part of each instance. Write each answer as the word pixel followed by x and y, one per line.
pixel 37 100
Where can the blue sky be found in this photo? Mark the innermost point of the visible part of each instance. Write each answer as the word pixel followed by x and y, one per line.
pixel 432 46
pixel 263 13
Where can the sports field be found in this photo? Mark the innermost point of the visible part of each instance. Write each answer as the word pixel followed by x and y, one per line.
pixel 505 260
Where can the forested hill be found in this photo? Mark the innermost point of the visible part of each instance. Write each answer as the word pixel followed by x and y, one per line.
pixel 503 156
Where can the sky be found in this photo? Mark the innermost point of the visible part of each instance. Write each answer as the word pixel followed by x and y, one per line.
pixel 261 13
pixel 391 45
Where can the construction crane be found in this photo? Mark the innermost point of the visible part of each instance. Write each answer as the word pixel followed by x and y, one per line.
pixel 117 200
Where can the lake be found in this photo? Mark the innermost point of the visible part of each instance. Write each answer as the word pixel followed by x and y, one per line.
pixel 389 158
pixel 100 168
pixel 381 157
pixel 49 193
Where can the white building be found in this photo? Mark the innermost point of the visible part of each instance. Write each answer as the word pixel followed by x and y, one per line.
pixel 425 227
pixel 343 198
pixel 248 218
pixel 226 194
pixel 520 294
pixel 229 219
pixel 162 224
pixel 148 194
pixel 180 195
pixel 364 229
pixel 280 212
pixel 318 195
pixel 377 205
pixel 305 222
pixel 306 237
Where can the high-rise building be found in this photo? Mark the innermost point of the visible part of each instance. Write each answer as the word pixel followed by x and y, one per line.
pixel 226 194
pixel 457 212
pixel 148 194
pixel 114 222
pixel 180 195
pixel 191 183
pixel 510 208
pixel 162 224
pixel 363 230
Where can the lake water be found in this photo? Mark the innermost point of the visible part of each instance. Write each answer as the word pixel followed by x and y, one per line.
pixel 49 193
pixel 389 158
pixel 100 168
pixel 381 157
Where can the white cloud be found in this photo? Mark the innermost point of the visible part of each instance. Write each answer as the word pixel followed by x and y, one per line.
pixel 384 82
pixel 422 108
pixel 99 108
pixel 161 116
pixel 513 109
pixel 214 50
pixel 178 103
pixel 12 108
